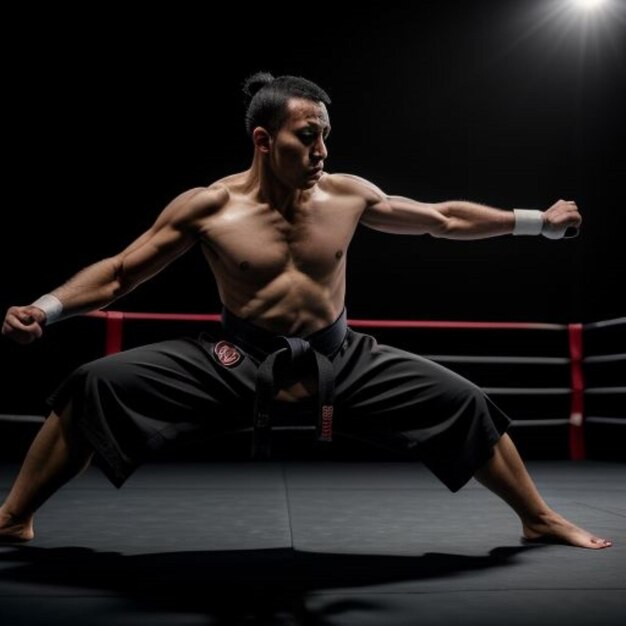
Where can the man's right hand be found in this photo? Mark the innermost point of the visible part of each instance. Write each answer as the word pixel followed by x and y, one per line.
pixel 24 324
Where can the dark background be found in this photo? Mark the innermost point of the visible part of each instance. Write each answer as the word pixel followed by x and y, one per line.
pixel 509 103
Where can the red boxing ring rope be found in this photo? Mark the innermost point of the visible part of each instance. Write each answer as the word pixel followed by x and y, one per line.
pixel 114 321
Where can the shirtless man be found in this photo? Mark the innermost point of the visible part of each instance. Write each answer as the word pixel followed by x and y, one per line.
pixel 276 237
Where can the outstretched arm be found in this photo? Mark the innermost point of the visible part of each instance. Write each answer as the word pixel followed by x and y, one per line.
pixel 458 219
pixel 173 233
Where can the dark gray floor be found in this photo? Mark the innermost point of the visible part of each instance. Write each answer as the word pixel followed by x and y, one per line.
pixel 314 543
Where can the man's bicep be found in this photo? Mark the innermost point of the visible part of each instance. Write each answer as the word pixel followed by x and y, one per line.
pixel 152 252
pixel 177 211
pixel 173 233
pixel 404 216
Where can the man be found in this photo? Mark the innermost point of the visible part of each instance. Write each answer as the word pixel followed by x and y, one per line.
pixel 276 237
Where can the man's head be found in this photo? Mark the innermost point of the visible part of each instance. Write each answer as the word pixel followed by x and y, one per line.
pixel 288 122
pixel 267 98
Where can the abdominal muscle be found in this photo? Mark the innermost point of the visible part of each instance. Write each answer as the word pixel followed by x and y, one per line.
pixel 293 304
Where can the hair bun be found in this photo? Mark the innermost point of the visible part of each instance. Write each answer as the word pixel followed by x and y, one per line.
pixel 257 81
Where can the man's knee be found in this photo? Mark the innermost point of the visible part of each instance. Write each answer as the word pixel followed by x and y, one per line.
pixel 457 390
pixel 112 368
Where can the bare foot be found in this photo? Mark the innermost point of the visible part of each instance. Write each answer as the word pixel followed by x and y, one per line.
pixel 13 530
pixel 553 528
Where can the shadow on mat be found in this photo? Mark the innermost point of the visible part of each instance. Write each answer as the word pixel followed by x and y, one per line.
pixel 235 587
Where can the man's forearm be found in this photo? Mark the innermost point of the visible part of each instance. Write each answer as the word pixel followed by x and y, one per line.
pixel 92 288
pixel 470 220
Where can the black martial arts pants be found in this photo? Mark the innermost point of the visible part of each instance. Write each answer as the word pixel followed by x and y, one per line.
pixel 128 405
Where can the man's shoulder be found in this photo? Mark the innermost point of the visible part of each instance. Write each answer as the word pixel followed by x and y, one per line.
pixel 212 197
pixel 194 204
pixel 351 184
pixel 219 192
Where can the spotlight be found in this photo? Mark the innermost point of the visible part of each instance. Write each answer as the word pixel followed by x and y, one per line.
pixel 589 5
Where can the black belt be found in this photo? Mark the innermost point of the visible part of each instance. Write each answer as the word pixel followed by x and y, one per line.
pixel 289 354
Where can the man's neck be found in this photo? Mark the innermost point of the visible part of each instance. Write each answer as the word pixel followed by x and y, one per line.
pixel 270 190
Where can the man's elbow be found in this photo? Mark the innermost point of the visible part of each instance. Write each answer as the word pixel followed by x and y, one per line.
pixel 121 282
pixel 443 226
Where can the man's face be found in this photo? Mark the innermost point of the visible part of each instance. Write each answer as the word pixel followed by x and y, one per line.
pixel 298 149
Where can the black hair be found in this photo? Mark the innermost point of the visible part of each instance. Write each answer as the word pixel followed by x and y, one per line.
pixel 267 97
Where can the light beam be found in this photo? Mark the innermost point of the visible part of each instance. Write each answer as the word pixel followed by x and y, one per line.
pixel 589 5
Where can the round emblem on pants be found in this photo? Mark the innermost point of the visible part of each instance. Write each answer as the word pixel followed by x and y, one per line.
pixel 226 353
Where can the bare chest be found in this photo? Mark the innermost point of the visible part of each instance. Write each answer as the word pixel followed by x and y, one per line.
pixel 261 242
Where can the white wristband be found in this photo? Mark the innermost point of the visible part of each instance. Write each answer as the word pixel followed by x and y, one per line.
pixel 51 306
pixel 527 222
